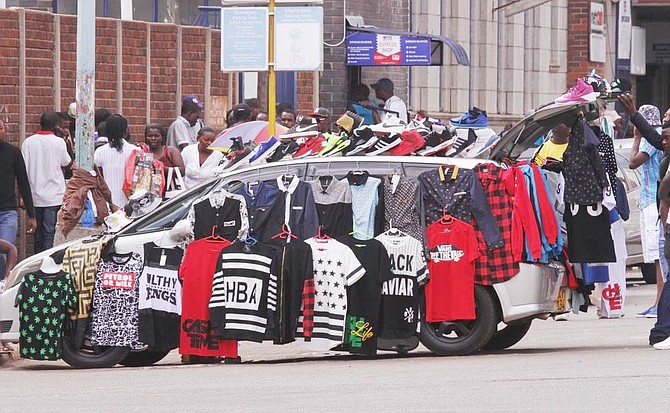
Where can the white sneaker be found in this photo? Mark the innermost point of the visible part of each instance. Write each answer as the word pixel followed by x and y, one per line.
pixel 561 317
pixel 663 345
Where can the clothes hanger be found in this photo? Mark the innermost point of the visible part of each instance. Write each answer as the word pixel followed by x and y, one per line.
pixel 446 218
pixel 285 233
pixel 215 237
pixel 250 240
pixel 393 231
pixel 321 236
pixel 355 231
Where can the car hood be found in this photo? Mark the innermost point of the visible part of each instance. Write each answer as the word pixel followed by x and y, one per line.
pixel 535 125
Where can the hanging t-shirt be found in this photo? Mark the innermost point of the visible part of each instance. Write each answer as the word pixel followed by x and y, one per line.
pixel 335 268
pixel 244 292
pixel 197 272
pixel 160 297
pixel 364 297
pixel 589 236
pixel 452 251
pixel 115 301
pixel 400 294
pixel 44 300
pixel 366 202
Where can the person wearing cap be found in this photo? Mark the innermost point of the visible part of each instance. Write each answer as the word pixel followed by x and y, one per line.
pixel 241 114
pixel 392 103
pixel 648 159
pixel 322 116
pixel 183 131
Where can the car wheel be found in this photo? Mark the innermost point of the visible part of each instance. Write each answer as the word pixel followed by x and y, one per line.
pixel 648 272
pixel 89 356
pixel 144 357
pixel 457 338
pixel 508 336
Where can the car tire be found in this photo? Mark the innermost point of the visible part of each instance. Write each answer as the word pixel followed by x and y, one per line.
pixel 508 336
pixel 648 272
pixel 144 357
pixel 458 338
pixel 92 358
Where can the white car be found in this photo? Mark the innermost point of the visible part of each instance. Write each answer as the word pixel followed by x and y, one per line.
pixel 504 311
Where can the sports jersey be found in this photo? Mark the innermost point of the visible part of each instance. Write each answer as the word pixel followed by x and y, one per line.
pixel 452 252
pixel 364 297
pixel 160 297
pixel 115 301
pixel 335 268
pixel 44 300
pixel 197 272
pixel 400 294
pixel 244 292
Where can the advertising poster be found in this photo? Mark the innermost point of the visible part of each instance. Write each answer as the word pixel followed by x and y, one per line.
pixel 371 49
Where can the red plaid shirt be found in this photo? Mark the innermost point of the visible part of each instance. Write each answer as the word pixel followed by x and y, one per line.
pixel 308 294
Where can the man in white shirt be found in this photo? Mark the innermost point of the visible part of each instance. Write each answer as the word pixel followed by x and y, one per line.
pixel 184 130
pixel 46 157
pixel 384 91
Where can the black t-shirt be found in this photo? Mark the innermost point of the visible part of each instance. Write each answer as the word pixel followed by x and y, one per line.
pixel 364 296
pixel 160 297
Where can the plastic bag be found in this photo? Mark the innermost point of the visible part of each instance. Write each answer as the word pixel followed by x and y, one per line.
pixel 88 217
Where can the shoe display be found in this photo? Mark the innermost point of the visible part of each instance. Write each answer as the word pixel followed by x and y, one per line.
pixel 334 145
pixel 411 141
pixel 580 92
pixel 383 144
pixel 390 124
pixel 240 157
pixel 652 313
pixel 436 142
pixel 473 118
pixel 349 121
pixel 362 139
pixel 464 138
pixel 286 148
pixel 264 150
pixel 663 345
pixel 307 126
pixel 311 147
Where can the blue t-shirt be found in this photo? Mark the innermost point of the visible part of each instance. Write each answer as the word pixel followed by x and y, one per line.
pixel 649 173
pixel 366 113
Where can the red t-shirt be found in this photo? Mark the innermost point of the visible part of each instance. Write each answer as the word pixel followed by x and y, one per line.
pixel 197 271
pixel 450 293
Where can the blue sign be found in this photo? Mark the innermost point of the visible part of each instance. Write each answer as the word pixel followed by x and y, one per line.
pixel 374 49
pixel 244 39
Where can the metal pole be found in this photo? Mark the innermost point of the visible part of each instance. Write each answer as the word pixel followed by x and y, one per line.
pixel 272 88
pixel 85 84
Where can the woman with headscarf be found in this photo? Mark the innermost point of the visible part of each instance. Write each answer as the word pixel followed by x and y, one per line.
pixel 112 157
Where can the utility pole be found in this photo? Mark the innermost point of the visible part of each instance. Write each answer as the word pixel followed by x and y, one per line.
pixel 84 143
pixel 272 83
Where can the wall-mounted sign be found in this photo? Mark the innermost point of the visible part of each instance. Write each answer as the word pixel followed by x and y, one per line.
pixel 218 106
pixel 371 49
pixel 597 40
pixel 244 39
pixel 298 38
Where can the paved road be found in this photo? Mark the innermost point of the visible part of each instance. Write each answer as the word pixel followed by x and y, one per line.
pixel 584 364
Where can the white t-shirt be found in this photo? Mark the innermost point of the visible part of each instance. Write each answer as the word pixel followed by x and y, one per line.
pixel 396 104
pixel 181 132
pixel 113 164
pixel 45 154
pixel 196 173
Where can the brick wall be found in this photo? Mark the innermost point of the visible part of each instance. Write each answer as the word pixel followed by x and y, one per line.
pixel 578 41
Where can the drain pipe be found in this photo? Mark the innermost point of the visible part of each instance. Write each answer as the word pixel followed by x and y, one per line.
pixel 470 68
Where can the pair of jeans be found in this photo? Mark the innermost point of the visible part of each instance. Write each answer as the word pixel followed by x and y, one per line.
pixel 9 225
pixel 661 329
pixel 46 227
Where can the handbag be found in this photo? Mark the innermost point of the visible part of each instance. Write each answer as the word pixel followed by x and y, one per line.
pixel 175 184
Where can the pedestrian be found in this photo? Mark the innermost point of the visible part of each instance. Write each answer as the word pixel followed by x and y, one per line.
pixel 322 116
pixel 179 134
pixel 648 158
pixel 241 114
pixel 200 123
pixel 384 91
pixel 111 158
pixel 263 116
pixel 63 132
pixel 255 106
pixel 8 250
pixel 46 157
pixel 12 171
pixel 360 103
pixel 199 160
pixel 154 140
pixel 287 118
pixel 554 147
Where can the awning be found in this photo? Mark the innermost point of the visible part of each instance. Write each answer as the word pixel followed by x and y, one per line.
pixel 365 48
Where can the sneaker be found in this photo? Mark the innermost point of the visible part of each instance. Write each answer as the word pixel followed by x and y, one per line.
pixel 385 143
pixel 390 124
pixel 464 138
pixel 643 314
pixel 663 345
pixel 362 139
pixel 237 144
pixel 286 148
pixel 652 313
pixel 580 92
pixel 561 317
pixel 349 121
pixel 436 142
pixel 411 141
pixel 239 158
pixel 307 126
pixel 311 147
pixel 264 150
pixel 473 118
pixel 334 145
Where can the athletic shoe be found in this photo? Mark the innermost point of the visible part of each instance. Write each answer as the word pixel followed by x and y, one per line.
pixel 334 145
pixel 239 158
pixel 264 149
pixel 473 118
pixel 663 345
pixel 411 141
pixel 464 138
pixel 311 147
pixel 390 124
pixel 580 92
pixel 383 144
pixel 237 144
pixel 561 317
pixel 349 121
pixel 307 126
pixel 643 314
pixel 652 313
pixel 436 142
pixel 363 138
pixel 286 148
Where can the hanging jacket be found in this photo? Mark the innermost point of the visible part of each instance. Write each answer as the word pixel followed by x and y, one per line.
pixel 293 206
pixel 583 168
pixel 524 225
pixel 75 195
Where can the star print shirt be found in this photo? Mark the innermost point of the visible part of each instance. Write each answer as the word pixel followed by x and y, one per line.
pixel 335 268
pixel 44 300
